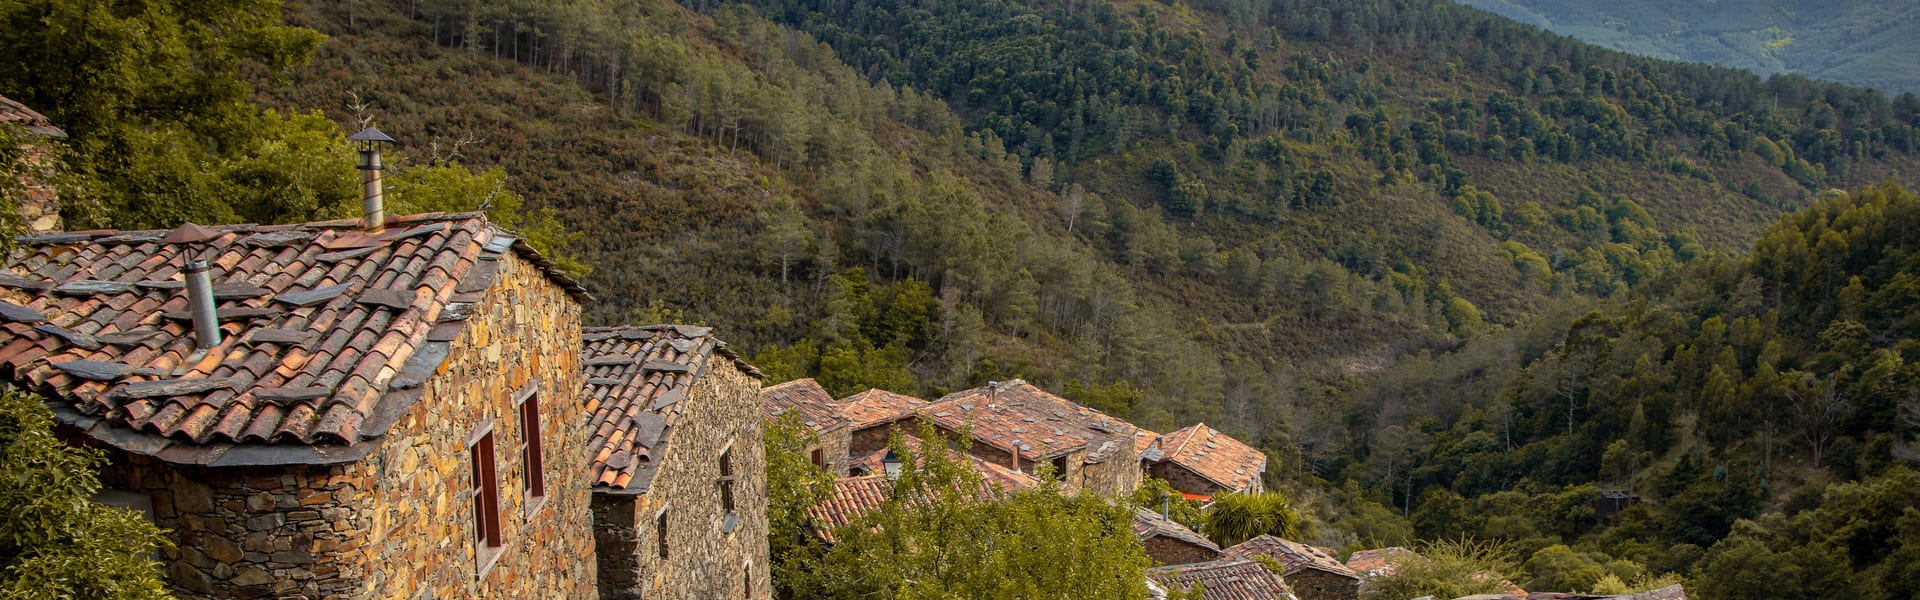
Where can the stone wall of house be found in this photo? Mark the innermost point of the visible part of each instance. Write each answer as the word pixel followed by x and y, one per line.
pixel 874 438
pixel 836 445
pixel 704 558
pixel 524 337
pixel 1117 474
pixel 279 532
pixel 1185 480
pixel 39 202
pixel 397 524
pixel 1172 551
pixel 1313 584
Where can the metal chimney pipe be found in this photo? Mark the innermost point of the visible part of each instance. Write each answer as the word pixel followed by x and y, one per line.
pixel 372 208
pixel 206 322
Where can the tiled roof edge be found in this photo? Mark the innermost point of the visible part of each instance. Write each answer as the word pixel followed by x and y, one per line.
pixel 222 454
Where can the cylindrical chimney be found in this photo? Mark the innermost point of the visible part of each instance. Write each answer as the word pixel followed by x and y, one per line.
pixel 206 322
pixel 373 212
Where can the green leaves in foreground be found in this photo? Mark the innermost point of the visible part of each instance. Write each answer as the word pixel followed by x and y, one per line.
pixel 945 535
pixel 55 542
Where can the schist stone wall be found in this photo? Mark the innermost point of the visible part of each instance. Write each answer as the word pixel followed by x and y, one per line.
pixel 1172 551
pixel 1313 584
pixel 399 523
pixel 38 201
pixel 874 438
pixel 703 558
pixel 1118 473
pixel 834 446
pixel 1184 480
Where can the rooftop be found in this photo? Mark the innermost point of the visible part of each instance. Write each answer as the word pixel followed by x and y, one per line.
pixel 19 114
pixel 814 405
pixel 853 496
pixel 637 380
pixel 1378 563
pixel 1214 455
pixel 1295 555
pixel 328 332
pixel 1231 579
pixel 992 473
pixel 1148 524
pixel 1018 417
pixel 877 406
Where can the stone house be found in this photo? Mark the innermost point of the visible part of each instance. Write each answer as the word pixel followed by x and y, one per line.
pixel 1170 543
pixel 819 413
pixel 677 464
pixel 870 486
pixel 1021 426
pixel 1226 579
pixel 1201 461
pixel 38 202
pixel 1313 573
pixel 381 409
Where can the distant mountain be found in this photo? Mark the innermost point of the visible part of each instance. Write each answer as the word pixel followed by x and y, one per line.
pixel 1871 43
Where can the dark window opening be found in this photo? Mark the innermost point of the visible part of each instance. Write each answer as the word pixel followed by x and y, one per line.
pixel 819 457
pixel 1060 468
pixel 660 532
pixel 536 481
pixel 726 481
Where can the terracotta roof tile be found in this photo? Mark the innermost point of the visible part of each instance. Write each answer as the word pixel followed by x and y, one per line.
pixel 1148 524
pixel 636 379
pixel 853 496
pixel 816 407
pixel 1294 555
pixel 1378 563
pixel 1016 416
pixel 1233 579
pixel 1214 455
pixel 877 406
pixel 17 113
pixel 360 349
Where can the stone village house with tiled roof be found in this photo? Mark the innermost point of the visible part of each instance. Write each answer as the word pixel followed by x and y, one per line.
pixel 377 412
pixel 1225 579
pixel 820 414
pixel 1200 460
pixel 1313 573
pixel 678 466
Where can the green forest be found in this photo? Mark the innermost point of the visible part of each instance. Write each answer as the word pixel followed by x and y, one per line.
pixel 1460 278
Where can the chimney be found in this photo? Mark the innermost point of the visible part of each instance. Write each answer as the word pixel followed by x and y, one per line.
pixel 373 212
pixel 206 322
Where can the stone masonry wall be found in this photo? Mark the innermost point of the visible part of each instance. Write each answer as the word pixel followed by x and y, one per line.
pixel 837 444
pixel 396 524
pixel 255 532
pixel 1184 480
pixel 1170 551
pixel 39 202
pixel 1311 584
pixel 525 331
pixel 703 560
pixel 1118 474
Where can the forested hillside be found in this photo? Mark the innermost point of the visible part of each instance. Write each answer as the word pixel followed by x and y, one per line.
pixel 1452 273
pixel 1857 42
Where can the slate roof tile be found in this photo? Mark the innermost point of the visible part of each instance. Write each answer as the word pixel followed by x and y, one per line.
pixel 878 406
pixel 1295 555
pixel 358 349
pixel 1214 455
pixel 19 114
pixel 1378 563
pixel 1230 579
pixel 633 402
pixel 805 396
pixel 1148 524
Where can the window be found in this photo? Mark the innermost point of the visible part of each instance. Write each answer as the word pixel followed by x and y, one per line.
pixel 819 457
pixel 726 481
pixel 486 499
pixel 536 480
pixel 660 531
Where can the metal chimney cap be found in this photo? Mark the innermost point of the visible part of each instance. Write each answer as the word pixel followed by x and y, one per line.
pixel 371 135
